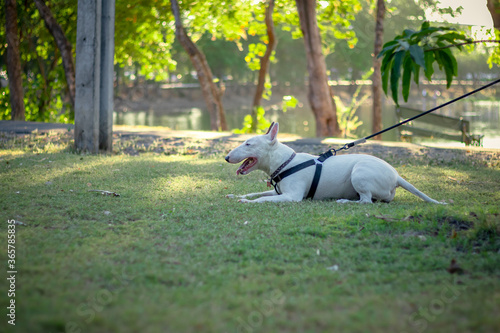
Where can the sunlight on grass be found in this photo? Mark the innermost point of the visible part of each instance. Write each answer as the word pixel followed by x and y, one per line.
pixel 8 154
pixel 52 142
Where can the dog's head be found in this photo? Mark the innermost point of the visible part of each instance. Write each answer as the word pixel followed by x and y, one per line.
pixel 254 152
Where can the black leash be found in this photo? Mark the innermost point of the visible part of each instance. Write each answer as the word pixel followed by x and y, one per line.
pixel 363 140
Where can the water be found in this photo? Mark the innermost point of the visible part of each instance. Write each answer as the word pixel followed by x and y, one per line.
pixel 484 117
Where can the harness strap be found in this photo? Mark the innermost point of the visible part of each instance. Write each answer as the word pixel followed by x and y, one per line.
pixel 325 155
pixel 315 182
pixel 292 170
pixel 317 174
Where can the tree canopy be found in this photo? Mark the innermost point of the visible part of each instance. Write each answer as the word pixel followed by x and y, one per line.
pixel 230 33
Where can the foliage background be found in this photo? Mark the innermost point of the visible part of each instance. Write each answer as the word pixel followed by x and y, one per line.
pixel 146 51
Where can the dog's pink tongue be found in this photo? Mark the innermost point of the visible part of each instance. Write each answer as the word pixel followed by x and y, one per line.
pixel 241 169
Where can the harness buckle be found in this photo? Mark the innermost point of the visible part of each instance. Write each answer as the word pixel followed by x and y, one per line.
pixel 325 155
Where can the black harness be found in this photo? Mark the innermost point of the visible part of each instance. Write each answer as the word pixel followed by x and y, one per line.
pixel 278 176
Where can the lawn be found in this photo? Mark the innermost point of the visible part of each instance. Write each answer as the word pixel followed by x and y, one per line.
pixel 170 253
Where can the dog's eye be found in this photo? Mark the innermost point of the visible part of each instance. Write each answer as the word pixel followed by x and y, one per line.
pixel 247 144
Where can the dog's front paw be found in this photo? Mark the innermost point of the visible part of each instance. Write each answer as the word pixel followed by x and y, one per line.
pixel 244 200
pixel 230 196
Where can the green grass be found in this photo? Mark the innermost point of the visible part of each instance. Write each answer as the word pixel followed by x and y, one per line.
pixel 172 254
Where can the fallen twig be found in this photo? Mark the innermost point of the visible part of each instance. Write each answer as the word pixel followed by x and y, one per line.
pixel 103 192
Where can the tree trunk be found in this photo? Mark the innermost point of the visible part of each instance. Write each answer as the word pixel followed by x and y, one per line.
pixel 211 94
pixel 377 76
pixel 494 8
pixel 63 45
pixel 320 95
pixel 264 63
pixel 14 62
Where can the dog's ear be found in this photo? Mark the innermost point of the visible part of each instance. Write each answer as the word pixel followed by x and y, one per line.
pixel 272 132
pixel 269 129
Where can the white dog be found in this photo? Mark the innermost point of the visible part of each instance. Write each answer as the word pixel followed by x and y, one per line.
pixel 348 178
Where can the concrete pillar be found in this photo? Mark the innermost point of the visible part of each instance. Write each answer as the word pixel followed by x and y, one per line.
pixel 107 61
pixel 94 75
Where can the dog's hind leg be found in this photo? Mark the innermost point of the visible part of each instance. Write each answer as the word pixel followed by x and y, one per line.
pixel 373 181
pixel 365 197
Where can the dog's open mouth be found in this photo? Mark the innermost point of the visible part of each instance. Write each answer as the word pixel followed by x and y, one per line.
pixel 246 166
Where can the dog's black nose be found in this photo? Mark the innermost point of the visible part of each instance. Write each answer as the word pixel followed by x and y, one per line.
pixel 227 158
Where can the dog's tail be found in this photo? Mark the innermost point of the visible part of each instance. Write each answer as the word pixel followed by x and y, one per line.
pixel 412 189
